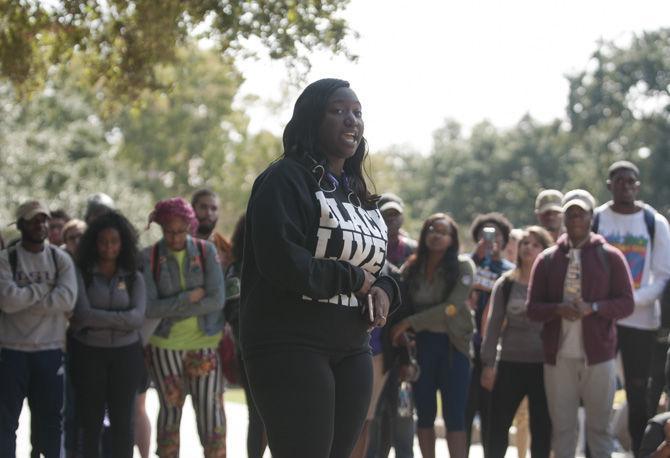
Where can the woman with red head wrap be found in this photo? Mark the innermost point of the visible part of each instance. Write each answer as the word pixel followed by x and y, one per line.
pixel 185 295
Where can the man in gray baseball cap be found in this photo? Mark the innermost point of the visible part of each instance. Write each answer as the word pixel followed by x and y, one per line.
pixel 580 287
pixel 31 208
pixel 549 211
pixel 37 293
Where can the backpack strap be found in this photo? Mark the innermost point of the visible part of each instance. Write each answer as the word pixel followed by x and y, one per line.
pixel 650 222
pixel 506 291
pixel 154 264
pixel 54 256
pixel 596 220
pixel 202 247
pixel 13 260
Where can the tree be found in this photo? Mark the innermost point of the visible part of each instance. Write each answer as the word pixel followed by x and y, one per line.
pixel 123 42
pixel 619 108
pixel 191 136
pixel 55 149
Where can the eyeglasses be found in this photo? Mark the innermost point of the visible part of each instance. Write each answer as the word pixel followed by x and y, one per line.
pixel 437 230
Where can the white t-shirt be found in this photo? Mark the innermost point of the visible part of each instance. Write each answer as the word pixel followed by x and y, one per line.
pixel 572 343
pixel 649 264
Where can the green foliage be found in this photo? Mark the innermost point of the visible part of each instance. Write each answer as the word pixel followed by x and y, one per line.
pixel 618 108
pixel 66 143
pixel 58 148
pixel 486 171
pixel 55 149
pixel 191 136
pixel 123 43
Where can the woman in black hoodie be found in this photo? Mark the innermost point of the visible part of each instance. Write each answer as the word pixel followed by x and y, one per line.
pixel 314 248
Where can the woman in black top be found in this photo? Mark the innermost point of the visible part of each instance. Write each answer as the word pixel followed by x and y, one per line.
pixel 315 244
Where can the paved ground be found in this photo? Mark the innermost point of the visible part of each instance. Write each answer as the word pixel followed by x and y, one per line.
pixel 236 414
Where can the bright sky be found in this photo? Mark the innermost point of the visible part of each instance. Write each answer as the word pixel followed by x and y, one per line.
pixel 423 61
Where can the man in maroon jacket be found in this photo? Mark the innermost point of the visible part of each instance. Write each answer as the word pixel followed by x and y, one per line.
pixel 578 289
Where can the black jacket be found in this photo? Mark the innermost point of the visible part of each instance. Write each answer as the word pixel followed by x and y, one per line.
pixel 304 254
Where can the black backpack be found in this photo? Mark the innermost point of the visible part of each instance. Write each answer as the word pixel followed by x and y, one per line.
pixel 649 221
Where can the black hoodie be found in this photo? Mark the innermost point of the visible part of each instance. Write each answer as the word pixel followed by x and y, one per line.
pixel 304 254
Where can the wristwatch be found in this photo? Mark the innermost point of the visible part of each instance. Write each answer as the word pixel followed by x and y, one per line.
pixel 594 307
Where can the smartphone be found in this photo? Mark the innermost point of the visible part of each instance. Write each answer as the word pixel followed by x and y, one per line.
pixel 371 309
pixel 489 234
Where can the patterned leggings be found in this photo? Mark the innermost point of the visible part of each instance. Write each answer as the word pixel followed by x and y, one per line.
pixel 177 373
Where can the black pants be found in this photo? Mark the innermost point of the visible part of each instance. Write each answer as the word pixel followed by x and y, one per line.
pixel 657 379
pixel 312 404
pixel 255 428
pixel 479 400
pixel 636 347
pixel 107 377
pixel 513 382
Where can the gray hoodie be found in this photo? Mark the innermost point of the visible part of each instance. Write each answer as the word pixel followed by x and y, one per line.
pixel 109 313
pixel 35 306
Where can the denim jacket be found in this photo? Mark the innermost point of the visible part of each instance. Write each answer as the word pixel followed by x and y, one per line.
pixel 167 302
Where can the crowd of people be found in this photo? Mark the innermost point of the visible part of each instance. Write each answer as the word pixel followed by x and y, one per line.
pixel 340 327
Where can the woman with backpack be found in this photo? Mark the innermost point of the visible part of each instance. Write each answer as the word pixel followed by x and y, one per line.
pixel 106 351
pixel 519 371
pixel 185 293
pixel 436 286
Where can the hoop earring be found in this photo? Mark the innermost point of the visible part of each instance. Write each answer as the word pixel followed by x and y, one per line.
pixel 352 193
pixel 321 170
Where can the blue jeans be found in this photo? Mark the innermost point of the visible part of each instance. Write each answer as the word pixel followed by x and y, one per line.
pixel 443 369
pixel 39 376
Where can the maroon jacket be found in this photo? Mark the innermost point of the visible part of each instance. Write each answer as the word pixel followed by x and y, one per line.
pixel 613 293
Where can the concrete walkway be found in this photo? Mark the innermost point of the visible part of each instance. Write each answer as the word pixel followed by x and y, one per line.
pixel 236 414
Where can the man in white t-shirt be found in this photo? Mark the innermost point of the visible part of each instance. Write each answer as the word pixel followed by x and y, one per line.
pixel 643 236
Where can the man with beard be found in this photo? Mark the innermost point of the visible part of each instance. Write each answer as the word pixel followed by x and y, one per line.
pixel 206 203
pixel 37 294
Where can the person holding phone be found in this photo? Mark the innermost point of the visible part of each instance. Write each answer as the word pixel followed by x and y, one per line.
pixel 436 285
pixel 490 232
pixel 314 248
